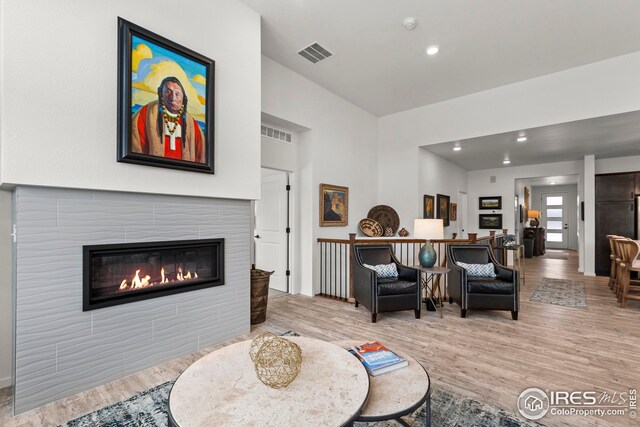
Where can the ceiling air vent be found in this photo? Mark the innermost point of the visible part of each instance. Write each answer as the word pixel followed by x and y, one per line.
pixel 315 53
pixel 274 133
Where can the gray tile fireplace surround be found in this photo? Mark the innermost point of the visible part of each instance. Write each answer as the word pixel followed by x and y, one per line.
pixel 61 350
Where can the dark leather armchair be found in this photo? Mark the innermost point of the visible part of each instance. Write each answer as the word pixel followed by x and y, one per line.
pixel 384 294
pixel 469 292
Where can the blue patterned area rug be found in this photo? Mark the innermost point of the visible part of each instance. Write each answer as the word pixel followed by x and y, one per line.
pixel 567 293
pixel 448 409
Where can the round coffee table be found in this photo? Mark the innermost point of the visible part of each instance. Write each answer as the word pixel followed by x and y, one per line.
pixel 221 389
pixel 396 393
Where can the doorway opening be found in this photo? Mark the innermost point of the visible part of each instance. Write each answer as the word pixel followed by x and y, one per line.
pixel 272 230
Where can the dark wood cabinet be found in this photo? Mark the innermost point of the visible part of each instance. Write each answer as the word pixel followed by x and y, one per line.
pixel 615 213
pixel 615 187
pixel 612 218
pixel 538 236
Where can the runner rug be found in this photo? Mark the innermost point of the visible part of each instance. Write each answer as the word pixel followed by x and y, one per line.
pixel 567 293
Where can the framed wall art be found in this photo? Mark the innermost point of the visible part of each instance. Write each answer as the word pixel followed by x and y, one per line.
pixel 334 205
pixel 427 207
pixel 490 202
pixel 490 221
pixel 165 102
pixel 443 209
pixel 453 211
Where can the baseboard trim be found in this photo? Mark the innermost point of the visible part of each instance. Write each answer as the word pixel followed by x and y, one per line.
pixel 5 382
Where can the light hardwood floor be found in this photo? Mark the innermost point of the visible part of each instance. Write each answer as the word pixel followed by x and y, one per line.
pixel 486 356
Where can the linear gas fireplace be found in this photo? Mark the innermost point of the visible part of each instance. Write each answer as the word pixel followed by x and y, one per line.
pixel 122 273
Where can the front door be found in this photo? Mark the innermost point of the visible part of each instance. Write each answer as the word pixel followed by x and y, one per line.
pixel 555 215
pixel 270 234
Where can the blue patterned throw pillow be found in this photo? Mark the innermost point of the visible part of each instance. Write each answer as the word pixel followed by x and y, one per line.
pixel 384 270
pixel 478 270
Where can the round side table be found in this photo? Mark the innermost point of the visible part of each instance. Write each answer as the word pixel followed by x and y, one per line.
pixel 396 393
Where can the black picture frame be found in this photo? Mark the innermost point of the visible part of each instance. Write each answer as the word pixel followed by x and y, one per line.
pixel 442 208
pixel 428 207
pixel 490 221
pixel 201 145
pixel 489 203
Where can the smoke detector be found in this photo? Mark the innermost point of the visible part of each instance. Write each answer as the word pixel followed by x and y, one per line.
pixel 410 23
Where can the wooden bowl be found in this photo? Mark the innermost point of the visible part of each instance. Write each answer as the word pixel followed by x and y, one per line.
pixel 370 227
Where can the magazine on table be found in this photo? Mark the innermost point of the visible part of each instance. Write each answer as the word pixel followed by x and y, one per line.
pixel 377 358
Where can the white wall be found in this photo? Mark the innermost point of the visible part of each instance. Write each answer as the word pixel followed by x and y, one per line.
pixel 6 293
pixel 618 164
pixel 438 176
pixel 60 82
pixel 279 155
pixel 339 149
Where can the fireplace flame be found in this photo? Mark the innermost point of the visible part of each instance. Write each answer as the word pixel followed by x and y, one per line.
pixel 138 282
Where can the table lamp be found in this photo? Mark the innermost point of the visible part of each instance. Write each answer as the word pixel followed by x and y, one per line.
pixel 428 229
pixel 533 218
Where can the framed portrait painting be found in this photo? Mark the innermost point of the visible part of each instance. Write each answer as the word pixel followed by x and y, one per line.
pixel 334 205
pixel 443 209
pixel 490 221
pixel 427 207
pixel 165 102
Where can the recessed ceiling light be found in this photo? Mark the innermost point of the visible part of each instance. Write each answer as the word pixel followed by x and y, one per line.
pixel 506 161
pixel 457 148
pixel 521 139
pixel 432 50
pixel 552 183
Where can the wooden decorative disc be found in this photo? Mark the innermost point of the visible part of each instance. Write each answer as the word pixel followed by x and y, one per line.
pixel 386 216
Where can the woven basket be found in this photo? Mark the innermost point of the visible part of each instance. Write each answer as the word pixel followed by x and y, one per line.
pixel 259 295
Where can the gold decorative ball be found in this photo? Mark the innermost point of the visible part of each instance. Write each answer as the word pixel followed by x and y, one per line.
pixel 257 343
pixel 277 361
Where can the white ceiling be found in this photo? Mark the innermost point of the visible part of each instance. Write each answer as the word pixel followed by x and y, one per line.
pixel 381 67
pixel 617 135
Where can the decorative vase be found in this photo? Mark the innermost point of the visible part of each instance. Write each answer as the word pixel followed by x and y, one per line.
pixel 427 255
pixel 388 232
pixel 403 232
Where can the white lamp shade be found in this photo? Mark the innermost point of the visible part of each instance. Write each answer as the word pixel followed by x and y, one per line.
pixel 428 229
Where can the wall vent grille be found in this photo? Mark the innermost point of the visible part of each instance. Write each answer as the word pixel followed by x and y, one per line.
pixel 271 132
pixel 315 53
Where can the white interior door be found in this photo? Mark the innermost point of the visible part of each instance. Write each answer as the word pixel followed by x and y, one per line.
pixel 270 234
pixel 462 215
pixel 555 216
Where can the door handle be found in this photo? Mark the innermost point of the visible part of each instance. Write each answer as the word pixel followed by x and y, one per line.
pixel 257 236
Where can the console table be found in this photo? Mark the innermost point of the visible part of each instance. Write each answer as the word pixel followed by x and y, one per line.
pixel 221 389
